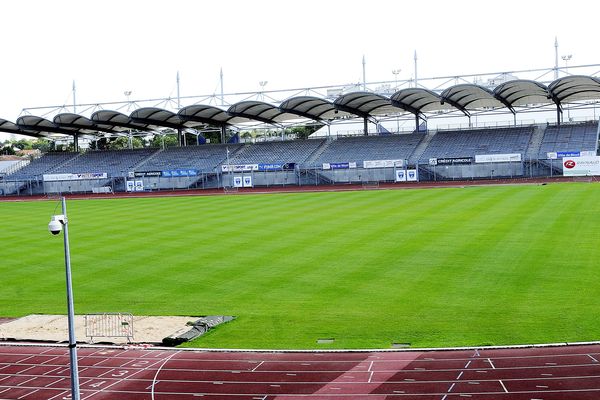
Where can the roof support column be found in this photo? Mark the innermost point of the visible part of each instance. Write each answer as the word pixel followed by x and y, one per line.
pixel 559 115
pixel 417 121
pixel 366 126
pixel 76 142
pixel 223 132
pixel 179 141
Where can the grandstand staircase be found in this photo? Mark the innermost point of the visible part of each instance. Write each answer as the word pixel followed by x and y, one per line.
pixel 535 143
pixel 144 161
pixel 414 158
pixel 62 164
pixel 317 153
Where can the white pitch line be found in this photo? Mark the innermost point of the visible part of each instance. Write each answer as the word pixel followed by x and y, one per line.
pixel 503 387
pixel 158 371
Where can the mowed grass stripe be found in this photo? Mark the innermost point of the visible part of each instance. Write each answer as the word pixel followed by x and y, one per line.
pixel 472 266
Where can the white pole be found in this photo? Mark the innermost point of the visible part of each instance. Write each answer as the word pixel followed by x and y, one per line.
pixel 178 97
pixel 74 99
pixel 416 69
pixel 71 311
pixel 555 58
pixel 364 68
pixel 222 96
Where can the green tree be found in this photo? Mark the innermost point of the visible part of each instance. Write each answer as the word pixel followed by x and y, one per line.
pixel 168 140
pixel 122 143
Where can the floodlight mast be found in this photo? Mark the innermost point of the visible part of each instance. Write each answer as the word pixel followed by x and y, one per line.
pixel 71 313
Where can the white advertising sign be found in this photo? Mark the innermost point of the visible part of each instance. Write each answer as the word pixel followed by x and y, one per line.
pixel 74 177
pixel 382 163
pixel 139 186
pixel 247 180
pixel 400 175
pixel 412 175
pixel 130 186
pixel 237 181
pixel 494 158
pixel 581 166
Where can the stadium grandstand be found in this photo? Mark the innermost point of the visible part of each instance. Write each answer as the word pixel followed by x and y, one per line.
pixel 416 137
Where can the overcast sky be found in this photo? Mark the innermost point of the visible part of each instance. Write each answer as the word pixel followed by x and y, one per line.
pixel 108 47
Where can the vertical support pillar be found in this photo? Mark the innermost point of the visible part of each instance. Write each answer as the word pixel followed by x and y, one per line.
pixel 223 133
pixel 179 141
pixel 365 127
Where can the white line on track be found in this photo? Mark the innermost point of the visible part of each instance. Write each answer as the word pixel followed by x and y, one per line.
pixel 503 387
pixel 491 363
pixel 158 371
pixel 593 359
pixel 259 364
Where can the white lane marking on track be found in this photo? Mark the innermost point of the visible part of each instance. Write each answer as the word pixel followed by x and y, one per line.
pixel 27 394
pixel 371 377
pixel 370 366
pixel 259 364
pixel 491 363
pixel 158 371
pixel 593 359
pixel 503 387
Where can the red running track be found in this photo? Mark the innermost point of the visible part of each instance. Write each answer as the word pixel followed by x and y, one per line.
pixel 549 373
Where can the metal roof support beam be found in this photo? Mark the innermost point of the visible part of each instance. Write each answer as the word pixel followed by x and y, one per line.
pixel 223 133
pixel 179 141
pixel 76 142
pixel 366 126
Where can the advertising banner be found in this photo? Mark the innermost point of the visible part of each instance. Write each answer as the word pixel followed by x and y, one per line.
pixel 495 158
pixel 338 165
pixel 581 166
pixel 143 174
pixel 564 154
pixel 239 168
pixel 247 180
pixel 382 163
pixel 139 186
pixel 74 177
pixel 400 175
pixel 130 186
pixel 451 161
pixel 277 167
pixel 412 175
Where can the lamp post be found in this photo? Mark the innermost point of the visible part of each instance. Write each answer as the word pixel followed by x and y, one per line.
pixel 262 89
pixel 57 223
pixel 396 72
pixel 566 59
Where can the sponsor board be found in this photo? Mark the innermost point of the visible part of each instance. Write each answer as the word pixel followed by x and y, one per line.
pixel 247 181
pixel 74 177
pixel 339 165
pixel 277 167
pixel 176 173
pixel 581 166
pixel 144 174
pixel 382 163
pixel 239 167
pixel 130 186
pixel 451 161
pixel 496 158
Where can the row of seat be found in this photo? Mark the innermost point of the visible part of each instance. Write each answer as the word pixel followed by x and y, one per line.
pixel 315 152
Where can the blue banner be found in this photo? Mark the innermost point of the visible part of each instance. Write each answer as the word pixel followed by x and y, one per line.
pixel 339 165
pixel 277 167
pixel 175 173
pixel 563 154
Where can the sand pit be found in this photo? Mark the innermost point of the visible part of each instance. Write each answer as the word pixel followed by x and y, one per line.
pixel 54 328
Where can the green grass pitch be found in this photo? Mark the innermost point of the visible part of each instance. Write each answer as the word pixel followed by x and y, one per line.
pixel 430 267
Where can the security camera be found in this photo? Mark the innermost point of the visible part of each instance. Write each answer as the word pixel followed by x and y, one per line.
pixel 56 224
